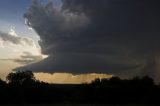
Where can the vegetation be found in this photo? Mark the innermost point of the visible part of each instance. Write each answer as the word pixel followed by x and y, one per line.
pixel 22 88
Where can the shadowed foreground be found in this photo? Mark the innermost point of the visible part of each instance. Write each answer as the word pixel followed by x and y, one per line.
pixel 22 88
pixel 76 105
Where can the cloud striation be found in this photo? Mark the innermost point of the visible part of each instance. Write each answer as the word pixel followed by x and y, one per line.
pixel 26 58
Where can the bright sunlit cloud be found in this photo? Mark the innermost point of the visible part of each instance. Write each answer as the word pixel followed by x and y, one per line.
pixel 69 78
pixel 21 50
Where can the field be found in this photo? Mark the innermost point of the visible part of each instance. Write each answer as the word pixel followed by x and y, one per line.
pixel 76 105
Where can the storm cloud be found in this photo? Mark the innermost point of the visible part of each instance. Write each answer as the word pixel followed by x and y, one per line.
pixel 119 37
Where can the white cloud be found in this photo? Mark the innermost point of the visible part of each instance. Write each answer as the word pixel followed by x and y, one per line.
pixel 13 38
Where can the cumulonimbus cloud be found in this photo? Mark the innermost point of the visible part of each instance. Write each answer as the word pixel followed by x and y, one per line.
pixel 120 37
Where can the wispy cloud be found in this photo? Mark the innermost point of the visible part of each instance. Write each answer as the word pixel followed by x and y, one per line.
pixel 26 58
pixel 13 38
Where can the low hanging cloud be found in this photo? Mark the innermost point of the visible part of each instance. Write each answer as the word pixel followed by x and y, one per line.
pixel 26 58
pixel 15 39
pixel 119 37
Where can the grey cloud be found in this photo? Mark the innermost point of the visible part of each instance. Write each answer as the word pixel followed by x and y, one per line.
pixel 79 66
pixel 26 58
pixel 55 27
pixel 120 37
pixel 17 40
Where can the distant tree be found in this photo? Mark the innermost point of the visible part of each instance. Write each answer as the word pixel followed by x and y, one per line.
pixel 2 83
pixel 96 81
pixel 115 81
pixel 147 81
pixel 20 77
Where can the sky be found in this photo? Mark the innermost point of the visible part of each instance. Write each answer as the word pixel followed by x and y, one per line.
pixel 12 23
pixel 19 43
pixel 78 40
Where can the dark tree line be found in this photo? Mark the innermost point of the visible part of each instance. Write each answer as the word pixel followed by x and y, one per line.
pixel 22 88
